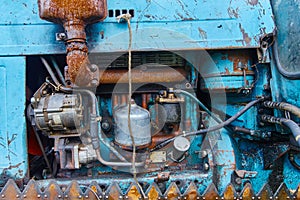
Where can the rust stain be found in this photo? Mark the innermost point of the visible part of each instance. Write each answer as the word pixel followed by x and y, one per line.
pixel 247 194
pixel 172 193
pixel 113 193
pixel 153 194
pixel 265 195
pixel 134 193
pixel 111 76
pixel 74 15
pixel 229 193
pixel 246 37
pixel 202 33
pixel 253 2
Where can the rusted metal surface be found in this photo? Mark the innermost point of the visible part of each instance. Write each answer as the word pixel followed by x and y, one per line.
pixel 74 15
pixel 113 192
pixel 159 75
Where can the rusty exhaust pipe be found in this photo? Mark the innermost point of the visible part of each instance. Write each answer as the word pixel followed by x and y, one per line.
pixel 74 15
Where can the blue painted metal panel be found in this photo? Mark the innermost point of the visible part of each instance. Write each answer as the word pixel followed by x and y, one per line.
pixel 188 25
pixel 13 145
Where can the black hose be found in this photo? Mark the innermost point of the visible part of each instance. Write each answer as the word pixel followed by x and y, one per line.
pixel 61 77
pixel 283 106
pixel 50 71
pixel 214 128
pixel 282 71
pixel 293 126
pixel 292 161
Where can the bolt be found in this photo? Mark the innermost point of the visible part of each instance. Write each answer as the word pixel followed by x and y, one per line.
pixel 94 82
pixel 203 154
pixel 206 166
pixel 93 68
pixel 238 181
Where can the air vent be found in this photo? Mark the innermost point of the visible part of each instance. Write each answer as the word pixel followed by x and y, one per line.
pixel 117 12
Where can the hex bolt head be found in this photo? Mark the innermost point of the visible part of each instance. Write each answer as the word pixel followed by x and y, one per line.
pixel 238 181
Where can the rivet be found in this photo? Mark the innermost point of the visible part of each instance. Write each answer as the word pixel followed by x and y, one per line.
pixel 17 196
pixel 2 195
pixel 253 197
pixel 166 197
pixel 198 198
pixel 66 196
pixel 203 198
pixel 276 197
pixel 59 196
pixel 217 197
pixel 259 197
pixel 271 197
pixel 45 196
pixel 86 196
pixel 79 197
pixel 106 197
pixel 24 196
pixel 126 197
pixel 38 196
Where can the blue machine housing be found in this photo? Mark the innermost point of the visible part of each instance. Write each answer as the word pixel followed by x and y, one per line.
pixel 216 39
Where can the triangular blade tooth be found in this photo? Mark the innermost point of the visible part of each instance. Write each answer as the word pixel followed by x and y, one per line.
pixel 73 191
pixel 247 192
pixel 53 191
pixel 93 191
pixel 192 192
pixel 211 192
pixel 282 192
pixel 229 192
pixel 113 192
pixel 32 191
pixel 172 192
pixel 153 192
pixel 10 191
pixel 133 192
pixel 265 193
pixel 297 193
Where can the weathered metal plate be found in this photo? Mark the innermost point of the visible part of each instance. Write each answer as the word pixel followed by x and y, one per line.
pixel 74 190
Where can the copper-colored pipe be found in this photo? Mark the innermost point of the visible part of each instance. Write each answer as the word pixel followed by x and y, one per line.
pixel 157 75
pixel 144 101
pixel 159 138
pixel 124 98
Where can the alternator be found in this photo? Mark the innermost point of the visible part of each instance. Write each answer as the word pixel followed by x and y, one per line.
pixel 58 112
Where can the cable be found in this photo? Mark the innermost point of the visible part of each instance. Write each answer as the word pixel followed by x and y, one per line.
pixel 51 73
pixel 283 106
pixel 200 104
pixel 293 126
pixel 282 71
pixel 60 76
pixel 214 128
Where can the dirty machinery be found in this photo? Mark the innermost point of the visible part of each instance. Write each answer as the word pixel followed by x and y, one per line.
pixel 150 99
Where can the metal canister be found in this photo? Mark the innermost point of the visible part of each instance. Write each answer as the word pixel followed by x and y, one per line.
pixel 140 126
pixel 180 146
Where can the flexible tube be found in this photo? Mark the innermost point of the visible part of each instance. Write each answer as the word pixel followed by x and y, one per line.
pixel 293 126
pixel 50 71
pixel 200 104
pixel 214 128
pixel 61 77
pixel 283 106
pixel 282 71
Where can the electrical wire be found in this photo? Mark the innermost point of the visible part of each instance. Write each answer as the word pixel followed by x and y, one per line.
pixel 60 76
pixel 213 128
